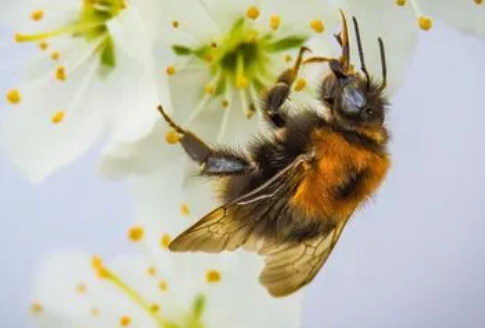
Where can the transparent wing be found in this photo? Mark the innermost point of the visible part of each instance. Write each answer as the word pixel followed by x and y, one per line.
pixel 292 266
pixel 235 223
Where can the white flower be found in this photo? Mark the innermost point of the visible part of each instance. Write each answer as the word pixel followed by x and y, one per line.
pixel 226 53
pixel 74 290
pixel 229 52
pixel 157 288
pixel 92 76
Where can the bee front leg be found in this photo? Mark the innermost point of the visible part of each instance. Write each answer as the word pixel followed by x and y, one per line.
pixel 212 162
pixel 279 93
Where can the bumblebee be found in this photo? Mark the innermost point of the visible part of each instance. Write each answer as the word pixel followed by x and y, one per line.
pixel 289 195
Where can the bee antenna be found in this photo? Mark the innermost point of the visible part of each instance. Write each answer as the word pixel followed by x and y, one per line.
pixel 361 51
pixel 383 64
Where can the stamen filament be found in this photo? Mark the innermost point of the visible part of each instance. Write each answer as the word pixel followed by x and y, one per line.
pixel 85 55
pixel 255 99
pixel 135 297
pixel 214 83
pixel 69 29
pixel 244 102
pixel 241 80
pixel 229 95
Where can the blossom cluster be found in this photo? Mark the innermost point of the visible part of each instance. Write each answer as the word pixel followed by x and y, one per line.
pixel 90 72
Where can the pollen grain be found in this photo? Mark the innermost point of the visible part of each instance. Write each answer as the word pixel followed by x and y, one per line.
pixel 317 25
pixel 14 97
pixel 58 117
pixel 253 12
pixel 213 276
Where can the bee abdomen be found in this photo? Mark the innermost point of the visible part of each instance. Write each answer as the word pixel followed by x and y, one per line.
pixel 347 187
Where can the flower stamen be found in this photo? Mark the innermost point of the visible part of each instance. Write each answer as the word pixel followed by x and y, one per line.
pixel 105 273
pixel 14 96
pixel 37 15
pixel 58 117
pixel 425 22
pixel 253 13
pixel 274 22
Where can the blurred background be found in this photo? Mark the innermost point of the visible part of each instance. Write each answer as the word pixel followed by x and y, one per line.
pixel 414 257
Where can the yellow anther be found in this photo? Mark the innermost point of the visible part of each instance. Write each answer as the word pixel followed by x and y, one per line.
pixel 300 84
pixel 225 103
pixel 163 285
pixel 288 58
pixel 36 308
pixel 252 13
pixel 170 70
pixel 213 276
pixel 425 23
pixel 14 97
pixel 209 89
pixel 317 26
pixel 135 234
pixel 43 45
pixel 152 271
pixel 213 44
pixel 82 288
pixel 98 266
pixel 274 22
pixel 61 73
pixel 172 137
pixel 125 321
pixel 154 308
pixel 401 2
pixel 37 15
pixel 249 114
pixel 185 209
pixel 96 262
pixel 175 24
pixel 94 312
pixel 242 82
pixel 165 240
pixel 55 55
pixel 58 117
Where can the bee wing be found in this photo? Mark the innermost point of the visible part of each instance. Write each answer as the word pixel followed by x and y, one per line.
pixel 292 266
pixel 219 231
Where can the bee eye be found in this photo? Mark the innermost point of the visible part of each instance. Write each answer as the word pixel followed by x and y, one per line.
pixel 352 100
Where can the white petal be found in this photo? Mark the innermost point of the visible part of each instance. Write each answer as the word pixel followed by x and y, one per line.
pixel 133 115
pixel 467 16
pixel 143 157
pixel 396 26
pixel 296 16
pixel 267 311
pixel 194 22
pixel 17 14
pixel 36 145
pixel 131 36
pixel 64 304
pixel 158 198
pixel 225 13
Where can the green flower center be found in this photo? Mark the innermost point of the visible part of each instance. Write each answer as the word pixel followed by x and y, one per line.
pixel 90 25
pixel 244 58
pixel 194 318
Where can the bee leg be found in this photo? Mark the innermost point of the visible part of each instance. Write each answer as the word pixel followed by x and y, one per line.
pixel 279 93
pixel 212 162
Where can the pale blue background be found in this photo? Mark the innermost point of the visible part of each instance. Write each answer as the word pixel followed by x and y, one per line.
pixel 414 258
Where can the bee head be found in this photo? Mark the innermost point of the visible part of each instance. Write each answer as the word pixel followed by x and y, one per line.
pixel 354 99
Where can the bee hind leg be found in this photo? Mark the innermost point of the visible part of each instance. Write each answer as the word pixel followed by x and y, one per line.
pixel 212 162
pixel 279 93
